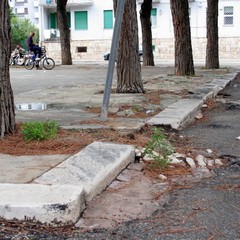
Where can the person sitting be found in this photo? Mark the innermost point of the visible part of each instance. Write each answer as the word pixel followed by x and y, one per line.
pixel 34 47
pixel 18 50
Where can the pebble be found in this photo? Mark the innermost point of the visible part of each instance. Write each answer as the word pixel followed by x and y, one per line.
pixel 201 160
pixel 162 177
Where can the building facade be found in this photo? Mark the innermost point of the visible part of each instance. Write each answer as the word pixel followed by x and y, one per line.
pixel 26 9
pixel 91 23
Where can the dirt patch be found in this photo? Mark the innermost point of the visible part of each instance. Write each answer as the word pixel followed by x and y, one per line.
pixel 70 142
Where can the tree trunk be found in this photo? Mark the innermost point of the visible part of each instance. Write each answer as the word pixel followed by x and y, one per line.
pixel 212 54
pixel 182 33
pixel 7 109
pixel 145 17
pixel 64 32
pixel 128 61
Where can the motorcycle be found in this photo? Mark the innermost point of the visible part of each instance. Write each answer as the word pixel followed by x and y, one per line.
pixel 17 60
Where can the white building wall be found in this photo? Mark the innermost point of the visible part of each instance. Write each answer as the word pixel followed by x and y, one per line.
pixel 98 40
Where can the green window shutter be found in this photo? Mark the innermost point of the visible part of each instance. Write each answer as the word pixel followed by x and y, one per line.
pixel 154 12
pixel 81 20
pixel 69 19
pixel 108 19
pixel 53 20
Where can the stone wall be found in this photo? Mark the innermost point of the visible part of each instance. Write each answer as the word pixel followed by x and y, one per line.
pixel 229 48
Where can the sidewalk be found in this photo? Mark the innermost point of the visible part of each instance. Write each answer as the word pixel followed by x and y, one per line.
pixel 64 184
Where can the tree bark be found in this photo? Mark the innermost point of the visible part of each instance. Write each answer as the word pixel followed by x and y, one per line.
pixel 182 33
pixel 212 51
pixel 129 79
pixel 64 32
pixel 7 109
pixel 145 17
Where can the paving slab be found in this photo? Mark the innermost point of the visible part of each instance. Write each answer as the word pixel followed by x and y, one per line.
pixel 24 169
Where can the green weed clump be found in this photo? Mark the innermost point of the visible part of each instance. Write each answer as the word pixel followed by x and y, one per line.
pixel 159 148
pixel 39 130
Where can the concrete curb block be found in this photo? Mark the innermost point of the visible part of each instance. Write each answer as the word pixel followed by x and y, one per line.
pixel 41 202
pixel 93 168
pixel 179 113
pixel 60 195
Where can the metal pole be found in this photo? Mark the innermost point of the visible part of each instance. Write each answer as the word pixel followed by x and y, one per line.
pixel 112 58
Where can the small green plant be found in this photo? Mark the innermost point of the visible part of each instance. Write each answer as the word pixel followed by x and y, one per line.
pixel 137 108
pixel 39 130
pixel 159 148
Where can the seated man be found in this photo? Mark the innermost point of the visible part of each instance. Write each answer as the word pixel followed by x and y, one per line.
pixel 33 47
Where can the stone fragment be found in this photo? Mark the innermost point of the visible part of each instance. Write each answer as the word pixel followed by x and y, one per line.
pixel 199 115
pixel 204 105
pixel 209 151
pixel 162 177
pixel 210 163
pixel 218 162
pixel 191 162
pixel 174 160
pixel 201 160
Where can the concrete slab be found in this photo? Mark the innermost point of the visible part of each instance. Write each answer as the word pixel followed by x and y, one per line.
pixel 46 204
pixel 93 168
pixel 24 169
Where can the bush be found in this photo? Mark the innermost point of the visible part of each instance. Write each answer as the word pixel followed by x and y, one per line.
pixel 39 130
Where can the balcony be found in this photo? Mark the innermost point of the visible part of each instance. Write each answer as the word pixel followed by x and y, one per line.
pixel 51 35
pixel 52 3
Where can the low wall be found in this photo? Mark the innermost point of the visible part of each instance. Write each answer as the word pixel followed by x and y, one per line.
pixel 229 48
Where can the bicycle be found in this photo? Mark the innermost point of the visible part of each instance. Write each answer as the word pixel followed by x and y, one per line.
pixel 31 61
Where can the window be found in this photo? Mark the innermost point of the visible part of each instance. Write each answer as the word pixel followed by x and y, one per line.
pixel 154 17
pixel 228 15
pixel 81 20
pixel 81 49
pixel 53 20
pixel 21 10
pixel 108 19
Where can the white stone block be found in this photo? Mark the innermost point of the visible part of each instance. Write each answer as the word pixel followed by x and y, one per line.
pixel 43 203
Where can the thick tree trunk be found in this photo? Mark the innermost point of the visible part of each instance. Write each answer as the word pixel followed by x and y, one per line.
pixel 7 109
pixel 182 33
pixel 212 54
pixel 145 17
pixel 64 32
pixel 128 63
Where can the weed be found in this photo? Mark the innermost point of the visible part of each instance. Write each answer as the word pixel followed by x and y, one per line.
pixel 137 108
pixel 159 148
pixel 39 130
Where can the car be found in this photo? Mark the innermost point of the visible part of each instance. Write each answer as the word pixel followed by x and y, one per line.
pixel 107 56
